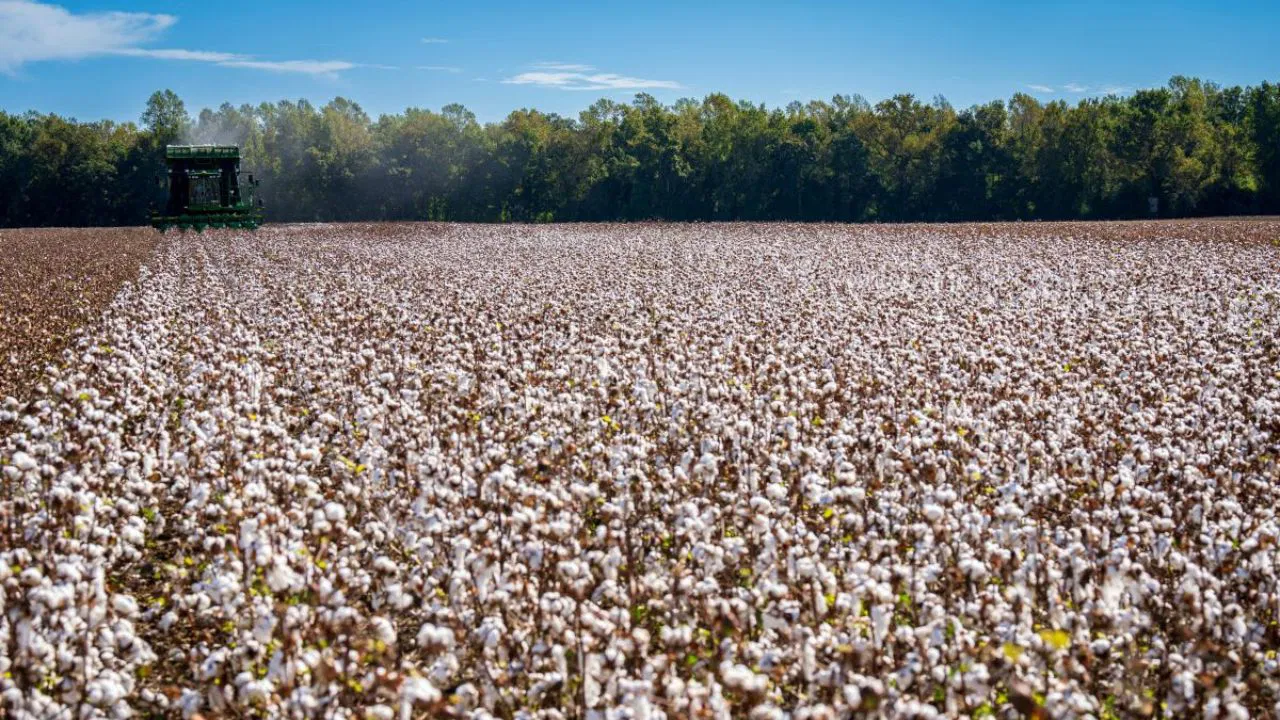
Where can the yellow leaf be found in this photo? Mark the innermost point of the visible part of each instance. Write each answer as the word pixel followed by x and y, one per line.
pixel 1011 651
pixel 1058 639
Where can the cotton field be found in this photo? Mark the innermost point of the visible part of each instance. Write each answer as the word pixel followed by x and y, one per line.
pixel 657 471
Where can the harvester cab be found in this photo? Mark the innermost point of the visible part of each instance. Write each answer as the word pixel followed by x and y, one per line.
pixel 206 190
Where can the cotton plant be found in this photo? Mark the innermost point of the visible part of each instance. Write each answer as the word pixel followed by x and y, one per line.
pixel 771 471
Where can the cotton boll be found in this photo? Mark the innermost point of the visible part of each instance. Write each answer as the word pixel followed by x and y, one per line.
pixel 435 638
pixel 415 691
pixel 383 630
pixel 124 605
pixel 24 462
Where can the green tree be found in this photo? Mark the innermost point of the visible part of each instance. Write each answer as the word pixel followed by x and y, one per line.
pixel 165 117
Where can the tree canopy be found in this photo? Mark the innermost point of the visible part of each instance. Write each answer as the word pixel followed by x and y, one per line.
pixel 1190 148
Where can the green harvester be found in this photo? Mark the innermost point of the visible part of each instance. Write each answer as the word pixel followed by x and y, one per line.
pixel 205 190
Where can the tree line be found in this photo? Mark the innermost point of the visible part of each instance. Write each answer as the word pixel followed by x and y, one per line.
pixel 1190 148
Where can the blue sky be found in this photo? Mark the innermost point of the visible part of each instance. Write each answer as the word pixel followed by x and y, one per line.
pixel 101 59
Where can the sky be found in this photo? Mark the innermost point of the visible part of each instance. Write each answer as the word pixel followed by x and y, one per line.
pixel 102 59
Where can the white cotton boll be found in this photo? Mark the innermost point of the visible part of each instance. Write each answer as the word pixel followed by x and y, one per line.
pixel 280 577
pixel 24 462
pixel 973 569
pixel 379 712
pixel 677 636
pixel 125 605
pixel 435 637
pixel 105 691
pixel 761 506
pixel 852 695
pixel 386 565
pixel 56 597
pixel 383 630
pixel 335 512
pixel 742 678
pixel 398 598
pixel 190 702
pixel 776 492
pixel 932 513
pixel 880 618
pixel 133 536
pixel 766 712
pixel 415 690
pixel 491 631
pixel 255 693
pixel 264 628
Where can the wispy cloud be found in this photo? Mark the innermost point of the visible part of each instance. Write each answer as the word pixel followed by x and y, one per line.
pixel 1116 89
pixel 309 67
pixel 434 41
pixel 1075 88
pixel 306 67
pixel 174 54
pixel 575 76
pixel 34 32
pixel 1040 88
pixel 563 67
pixel 440 68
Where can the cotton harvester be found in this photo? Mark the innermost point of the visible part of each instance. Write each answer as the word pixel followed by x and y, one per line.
pixel 205 190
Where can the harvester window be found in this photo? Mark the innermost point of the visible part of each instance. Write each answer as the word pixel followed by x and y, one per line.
pixel 206 189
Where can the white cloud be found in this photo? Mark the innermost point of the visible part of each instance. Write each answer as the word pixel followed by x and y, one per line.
pixel 1075 88
pixel 173 54
pixel 573 76
pixel 309 67
pixel 33 32
pixel 433 41
pixel 1041 88
pixel 1116 89
pixel 441 68
pixel 564 67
